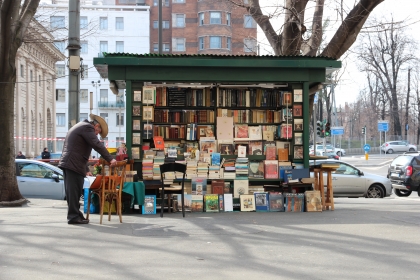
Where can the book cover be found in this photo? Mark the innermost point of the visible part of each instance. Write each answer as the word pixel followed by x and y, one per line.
pixel 217 186
pixel 199 185
pixel 271 169
pixel 149 206
pixel 276 201
pixel 268 135
pixel 286 131
pixel 261 201
pixel 297 95
pixel 159 142
pixel 226 149
pixel 240 187
pixel 313 201
pixel 255 148
pixel 227 188
pixel 215 158
pixel 197 204
pixel 147 131
pixel 136 138
pixel 298 125
pixel 282 167
pixel 211 202
pixel 208 145
pixel 256 169
pixel 297 110
pixel 221 203
pixel 294 202
pixel 241 151
pixel 137 95
pixel 225 128
pixel 298 152
pixel 136 124
pixel 135 152
pixel 270 153
pixel 298 138
pixel 228 202
pixel 241 131
pixel 287 98
pixel 149 95
pixel 187 202
pixel 255 132
pixel 283 154
pixel 247 202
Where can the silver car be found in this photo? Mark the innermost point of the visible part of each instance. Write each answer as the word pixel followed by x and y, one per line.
pixel 397 146
pixel 40 180
pixel 349 181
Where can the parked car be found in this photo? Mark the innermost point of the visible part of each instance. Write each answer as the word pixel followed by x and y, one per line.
pixel 397 146
pixel 40 180
pixel 404 173
pixel 52 156
pixel 349 181
pixel 328 148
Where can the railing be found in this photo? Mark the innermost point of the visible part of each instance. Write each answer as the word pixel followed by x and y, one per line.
pixel 110 104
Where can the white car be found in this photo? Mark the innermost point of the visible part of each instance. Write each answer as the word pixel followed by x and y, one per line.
pixel 328 148
pixel 397 146
pixel 349 181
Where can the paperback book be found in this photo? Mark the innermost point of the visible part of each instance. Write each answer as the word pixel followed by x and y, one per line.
pixel 197 203
pixel 261 201
pixel 247 202
pixel 199 185
pixel 211 202
pixel 276 201
pixel 149 206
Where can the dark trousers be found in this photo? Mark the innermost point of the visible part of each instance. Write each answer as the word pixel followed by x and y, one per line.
pixel 73 184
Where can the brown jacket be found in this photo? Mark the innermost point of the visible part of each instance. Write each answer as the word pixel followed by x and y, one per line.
pixel 80 140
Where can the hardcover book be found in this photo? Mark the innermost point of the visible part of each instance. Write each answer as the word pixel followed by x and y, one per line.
pixel 136 138
pixel 211 202
pixel 149 206
pixel 313 201
pixel 256 169
pixel 137 95
pixel 255 148
pixel 221 203
pixel 241 151
pixel 283 154
pixel 217 186
pixel 297 95
pixel 276 201
pixel 136 110
pixel 294 202
pixel 287 98
pixel 136 124
pixel 225 128
pixel 298 152
pixel 282 167
pixel 197 203
pixel 226 149
pixel 255 132
pixel 270 152
pixel 261 201
pixel 240 187
pixel 297 110
pixel 159 142
pixel 286 131
pixel 271 169
pixel 199 185
pixel 247 202
pixel 298 124
pixel 149 95
pixel 215 158
pixel 228 202
pixel 241 131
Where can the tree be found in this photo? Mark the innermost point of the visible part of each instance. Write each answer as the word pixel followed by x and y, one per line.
pixel 15 17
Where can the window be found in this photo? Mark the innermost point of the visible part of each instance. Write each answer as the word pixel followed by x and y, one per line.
pixel 103 23
pixel 60 70
pixel 119 46
pixel 119 139
pixel 103 46
pixel 179 20
pixel 120 119
pixel 250 45
pixel 178 1
pixel 165 47
pixel 22 74
pixel 201 43
pixel 249 22
pixel 229 43
pixel 104 97
pixel 57 22
pixel 31 76
pixel 83 116
pixel 215 42
pixel 60 120
pixel 83 97
pixel 83 22
pixel 60 46
pixel 84 47
pixel 61 95
pixel 215 18
pixel 59 143
pixel 39 80
pixel 201 19
pixel 165 24
pixel 164 3
pixel 228 19
pixel 105 117
pixel 35 170
pixel 178 44
pixel 119 23
pixel 85 71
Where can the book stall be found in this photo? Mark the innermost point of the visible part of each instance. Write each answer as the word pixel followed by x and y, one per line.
pixel 239 124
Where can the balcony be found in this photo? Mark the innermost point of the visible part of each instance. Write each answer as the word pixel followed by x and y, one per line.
pixel 111 104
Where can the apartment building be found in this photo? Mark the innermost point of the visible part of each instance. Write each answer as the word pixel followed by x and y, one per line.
pixel 104 27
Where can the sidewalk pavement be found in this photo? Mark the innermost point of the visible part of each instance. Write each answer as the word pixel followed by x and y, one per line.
pixel 360 239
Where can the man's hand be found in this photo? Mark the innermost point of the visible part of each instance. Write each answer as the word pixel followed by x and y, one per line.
pixel 113 162
pixel 89 174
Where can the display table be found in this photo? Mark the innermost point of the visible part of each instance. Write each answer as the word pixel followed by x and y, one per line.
pixel 136 190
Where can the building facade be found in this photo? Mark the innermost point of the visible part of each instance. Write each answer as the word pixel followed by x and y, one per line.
pixel 104 27
pixel 35 92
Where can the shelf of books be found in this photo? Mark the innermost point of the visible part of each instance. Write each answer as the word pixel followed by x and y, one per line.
pixel 245 139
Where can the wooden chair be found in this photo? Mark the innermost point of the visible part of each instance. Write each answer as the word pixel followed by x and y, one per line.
pixel 110 188
pixel 172 167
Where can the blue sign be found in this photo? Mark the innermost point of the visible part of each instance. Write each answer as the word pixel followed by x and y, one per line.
pixel 316 98
pixel 383 126
pixel 366 147
pixel 337 130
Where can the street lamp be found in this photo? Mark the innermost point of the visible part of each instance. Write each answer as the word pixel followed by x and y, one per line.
pixel 96 85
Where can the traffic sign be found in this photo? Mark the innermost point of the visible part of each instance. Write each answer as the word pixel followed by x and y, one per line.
pixel 383 126
pixel 366 147
pixel 337 130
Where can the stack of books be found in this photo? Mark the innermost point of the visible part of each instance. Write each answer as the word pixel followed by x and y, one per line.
pixel 255 189
pixel 214 172
pixel 202 169
pixel 191 169
pixel 147 169
pixel 229 169
pixel 157 161
pixel 241 168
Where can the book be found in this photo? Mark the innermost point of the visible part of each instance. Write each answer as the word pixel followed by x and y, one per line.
pixel 298 138
pixel 135 152
pixel 255 148
pixel 137 95
pixel 268 135
pixel 227 188
pixel 225 128
pixel 270 152
pixel 149 95
pixel 159 142
pixel 211 202
pixel 276 201
pixel 294 202
pixel 221 203
pixel 255 132
pixel 247 202
pixel 136 124
pixel 240 187
pixel 241 131
pixel 226 149
pixel 241 151
pixel 271 170
pixel 199 185
pixel 261 201
pixel 197 204
pixel 287 98
pixel 298 125
pixel 147 131
pixel 282 167
pixel 215 158
pixel 286 131
pixel 283 154
pixel 297 95
pixel 136 138
pixel 298 152
pixel 149 206
pixel 136 110
pixel 208 145
pixel 217 186
pixel 228 202
pixel 256 169
pixel 313 201
pixel 297 110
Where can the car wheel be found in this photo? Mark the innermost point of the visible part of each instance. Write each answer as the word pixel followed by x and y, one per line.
pixel 339 154
pixel 411 150
pixel 402 193
pixel 375 191
pixel 390 151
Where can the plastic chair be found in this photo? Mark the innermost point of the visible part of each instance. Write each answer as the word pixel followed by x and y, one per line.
pixel 110 189
pixel 172 167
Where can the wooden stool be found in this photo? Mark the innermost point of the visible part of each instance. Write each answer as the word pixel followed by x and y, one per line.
pixel 327 200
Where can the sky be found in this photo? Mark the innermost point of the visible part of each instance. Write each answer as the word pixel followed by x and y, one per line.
pixel 352 80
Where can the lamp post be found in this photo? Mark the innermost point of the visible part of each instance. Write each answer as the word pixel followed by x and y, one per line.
pixel 96 85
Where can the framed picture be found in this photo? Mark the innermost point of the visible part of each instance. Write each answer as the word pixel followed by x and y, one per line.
pixel 298 138
pixel 298 152
pixel 297 95
pixel 149 95
pixel 136 110
pixel 136 124
pixel 226 149
pixel 297 110
pixel 148 113
pixel 287 98
pixel 201 131
pixel 137 95
pixel 136 138
pixel 298 125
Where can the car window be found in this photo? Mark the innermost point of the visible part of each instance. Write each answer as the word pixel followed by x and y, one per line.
pixel 402 160
pixel 34 170
pixel 346 170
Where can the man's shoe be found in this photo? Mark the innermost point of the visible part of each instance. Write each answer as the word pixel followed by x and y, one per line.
pixel 78 221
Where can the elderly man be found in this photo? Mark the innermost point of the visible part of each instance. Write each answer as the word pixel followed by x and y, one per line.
pixel 79 142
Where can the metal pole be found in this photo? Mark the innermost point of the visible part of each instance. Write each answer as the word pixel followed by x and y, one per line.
pixel 74 52
pixel 160 26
